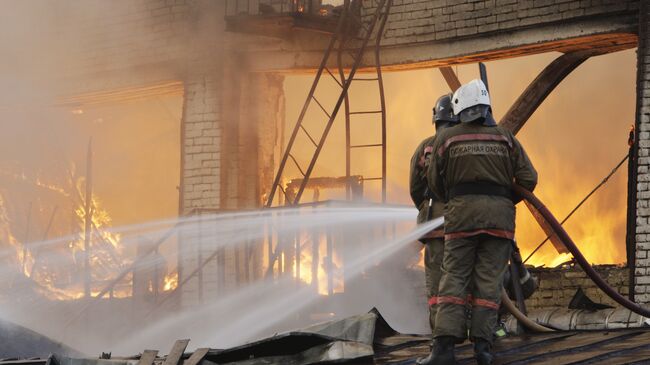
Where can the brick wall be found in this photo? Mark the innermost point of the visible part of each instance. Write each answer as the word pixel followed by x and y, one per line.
pixel 121 43
pixel 558 286
pixel 203 112
pixel 413 21
pixel 642 264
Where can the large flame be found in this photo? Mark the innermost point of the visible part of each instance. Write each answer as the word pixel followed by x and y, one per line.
pixel 597 227
pixel 322 275
pixel 107 254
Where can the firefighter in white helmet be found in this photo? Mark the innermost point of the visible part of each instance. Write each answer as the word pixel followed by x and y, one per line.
pixel 475 166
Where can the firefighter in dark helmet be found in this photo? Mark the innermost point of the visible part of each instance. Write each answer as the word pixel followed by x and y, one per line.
pixel 428 207
pixel 473 167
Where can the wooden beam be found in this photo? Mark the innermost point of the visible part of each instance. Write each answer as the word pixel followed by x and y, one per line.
pixel 148 356
pixel 451 78
pixel 176 353
pixel 197 356
pixel 540 88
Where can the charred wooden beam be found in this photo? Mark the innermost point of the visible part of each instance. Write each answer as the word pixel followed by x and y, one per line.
pixel 450 77
pixel 540 88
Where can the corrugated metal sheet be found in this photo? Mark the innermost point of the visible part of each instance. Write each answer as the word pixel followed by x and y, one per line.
pixel 368 339
pixel 19 342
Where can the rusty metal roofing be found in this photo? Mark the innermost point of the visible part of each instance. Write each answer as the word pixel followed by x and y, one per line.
pixel 368 339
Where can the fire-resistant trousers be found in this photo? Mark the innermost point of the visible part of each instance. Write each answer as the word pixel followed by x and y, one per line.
pixel 477 263
pixel 433 252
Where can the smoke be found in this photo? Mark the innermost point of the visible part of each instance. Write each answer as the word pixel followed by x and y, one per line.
pixel 574 139
pixel 56 50
pixel 57 56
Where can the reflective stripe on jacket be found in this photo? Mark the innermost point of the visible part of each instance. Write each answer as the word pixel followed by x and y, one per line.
pixel 473 153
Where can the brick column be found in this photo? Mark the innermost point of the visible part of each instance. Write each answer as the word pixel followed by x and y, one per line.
pixel 201 143
pixel 232 121
pixel 201 164
pixel 253 119
pixel 642 270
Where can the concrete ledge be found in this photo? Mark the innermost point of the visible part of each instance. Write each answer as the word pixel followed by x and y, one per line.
pixel 606 34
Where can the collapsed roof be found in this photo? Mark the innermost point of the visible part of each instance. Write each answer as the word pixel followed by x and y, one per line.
pixel 365 339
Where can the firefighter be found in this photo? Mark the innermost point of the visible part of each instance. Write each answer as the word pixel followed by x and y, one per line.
pixel 474 166
pixel 428 207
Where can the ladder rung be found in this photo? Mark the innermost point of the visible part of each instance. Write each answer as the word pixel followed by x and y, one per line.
pixel 334 77
pixel 308 135
pixel 321 107
pixel 297 165
pixel 367 145
pixel 368 112
pixel 372 178
pixel 366 79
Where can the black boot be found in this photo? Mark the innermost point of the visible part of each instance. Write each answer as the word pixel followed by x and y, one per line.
pixel 483 351
pixel 442 352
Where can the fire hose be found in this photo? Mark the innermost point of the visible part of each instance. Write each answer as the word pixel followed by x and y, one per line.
pixel 577 255
pixel 525 321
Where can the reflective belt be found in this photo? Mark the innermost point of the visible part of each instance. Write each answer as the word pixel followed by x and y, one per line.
pixel 500 233
pixel 450 300
pixel 436 233
pixel 478 302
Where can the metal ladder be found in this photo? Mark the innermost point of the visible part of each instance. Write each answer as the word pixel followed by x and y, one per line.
pixel 342 43
pixel 381 112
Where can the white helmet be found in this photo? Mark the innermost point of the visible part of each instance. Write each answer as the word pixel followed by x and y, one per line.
pixel 474 99
pixel 470 94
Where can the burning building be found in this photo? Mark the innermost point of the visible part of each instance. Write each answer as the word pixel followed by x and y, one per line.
pixel 192 109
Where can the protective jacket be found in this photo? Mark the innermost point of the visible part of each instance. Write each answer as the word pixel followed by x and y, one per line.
pixel 418 182
pixel 433 241
pixel 473 169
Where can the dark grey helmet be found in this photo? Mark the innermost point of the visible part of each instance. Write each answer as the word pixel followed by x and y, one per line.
pixel 443 112
pixel 480 112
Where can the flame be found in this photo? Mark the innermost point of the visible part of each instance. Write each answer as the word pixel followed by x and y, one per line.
pixel 306 265
pixel 171 281
pixel 59 282
pixel 6 234
pixel 559 260
pixel 597 228
pixel 38 181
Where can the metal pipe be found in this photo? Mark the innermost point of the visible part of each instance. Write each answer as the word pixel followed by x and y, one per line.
pixel 199 259
pixel 630 231
pixel 26 236
pixel 577 255
pixel 88 219
pixel 382 99
pixel 346 104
